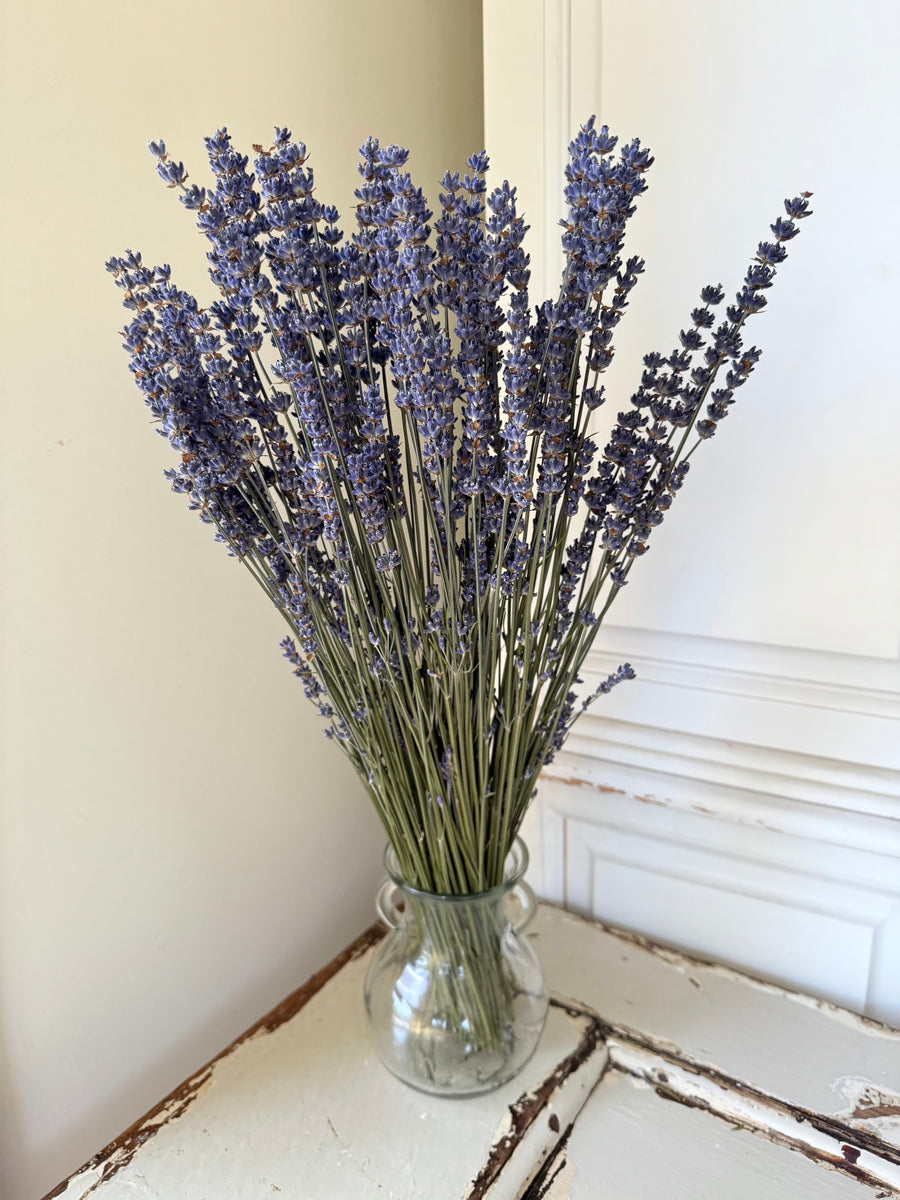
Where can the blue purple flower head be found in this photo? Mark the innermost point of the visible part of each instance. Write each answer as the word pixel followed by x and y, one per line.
pixel 396 439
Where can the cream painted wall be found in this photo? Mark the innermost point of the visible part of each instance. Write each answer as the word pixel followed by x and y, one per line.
pixel 180 847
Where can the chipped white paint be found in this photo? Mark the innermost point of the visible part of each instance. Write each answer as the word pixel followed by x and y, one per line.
pixel 307 1111
pixel 788 1045
pixel 561 1183
pixel 541 1137
pixel 806 894
pixel 303 1110
pixel 504 1127
pixel 870 1107
pixel 631 1144
pixel 81 1183
pixel 753 1114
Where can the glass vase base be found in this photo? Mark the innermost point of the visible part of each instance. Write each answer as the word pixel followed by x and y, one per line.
pixel 454 993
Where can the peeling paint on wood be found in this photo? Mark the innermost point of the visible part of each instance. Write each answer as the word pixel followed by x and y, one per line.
pixel 577 781
pixel 305 1110
pixel 559 1183
pixel 631 1145
pixel 120 1152
pixel 696 1085
pixel 876 1107
pixel 684 962
pixel 870 1112
pixel 523 1114
pixel 846 1161
pixel 652 800
pixel 788 1044
pixel 553 1180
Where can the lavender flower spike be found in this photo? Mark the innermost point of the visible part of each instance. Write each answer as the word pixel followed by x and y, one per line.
pixel 396 443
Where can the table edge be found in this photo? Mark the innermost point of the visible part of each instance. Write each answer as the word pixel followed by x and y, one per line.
pixel 180 1098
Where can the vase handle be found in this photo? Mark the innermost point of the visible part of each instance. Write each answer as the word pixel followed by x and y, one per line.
pixel 528 903
pixel 385 905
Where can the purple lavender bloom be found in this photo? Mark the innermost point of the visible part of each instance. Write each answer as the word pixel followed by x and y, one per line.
pixel 397 445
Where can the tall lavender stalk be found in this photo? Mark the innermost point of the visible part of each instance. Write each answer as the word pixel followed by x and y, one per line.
pixel 397 446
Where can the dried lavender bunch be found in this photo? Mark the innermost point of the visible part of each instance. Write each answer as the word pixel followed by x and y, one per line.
pixel 396 446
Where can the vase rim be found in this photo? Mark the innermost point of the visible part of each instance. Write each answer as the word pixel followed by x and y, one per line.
pixel 514 870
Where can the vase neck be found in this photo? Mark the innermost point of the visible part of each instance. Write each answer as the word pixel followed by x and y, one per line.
pixel 515 867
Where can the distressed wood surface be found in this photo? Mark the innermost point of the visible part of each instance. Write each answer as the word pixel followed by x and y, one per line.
pixel 301 1107
pixel 631 1143
pixel 655 1070
pixel 799 1050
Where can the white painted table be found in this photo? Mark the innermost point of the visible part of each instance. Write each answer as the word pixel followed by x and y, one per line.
pixel 658 1075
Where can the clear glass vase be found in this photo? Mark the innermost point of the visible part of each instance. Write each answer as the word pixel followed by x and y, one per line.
pixel 454 993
